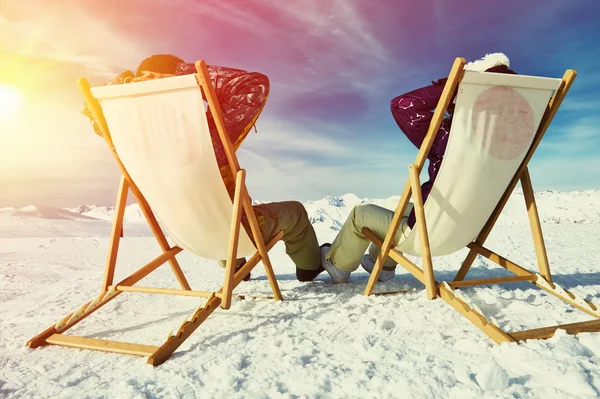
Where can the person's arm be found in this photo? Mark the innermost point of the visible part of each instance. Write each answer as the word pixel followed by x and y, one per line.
pixel 242 95
pixel 413 111
pixel 120 79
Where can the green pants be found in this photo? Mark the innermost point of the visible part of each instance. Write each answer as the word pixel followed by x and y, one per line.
pixel 299 237
pixel 350 244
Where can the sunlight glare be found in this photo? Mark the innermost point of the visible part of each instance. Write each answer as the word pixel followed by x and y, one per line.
pixel 11 101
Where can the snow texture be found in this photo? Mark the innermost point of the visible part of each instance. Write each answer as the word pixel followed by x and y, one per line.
pixel 322 341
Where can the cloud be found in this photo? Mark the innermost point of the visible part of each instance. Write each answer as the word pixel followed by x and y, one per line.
pixel 334 65
pixel 288 161
pixel 303 180
pixel 68 33
pixel 573 136
pixel 322 44
pixel 565 173
pixel 567 158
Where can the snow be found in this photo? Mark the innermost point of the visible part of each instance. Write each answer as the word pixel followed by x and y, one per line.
pixel 323 340
pixel 492 377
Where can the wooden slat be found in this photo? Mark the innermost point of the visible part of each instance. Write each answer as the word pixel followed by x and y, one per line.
pixel 520 271
pixel 165 351
pixel 101 345
pixel 476 318
pixel 551 109
pixel 164 291
pixel 488 281
pixel 548 332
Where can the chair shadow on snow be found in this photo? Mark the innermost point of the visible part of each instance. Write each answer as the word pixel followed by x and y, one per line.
pixel 150 323
pixel 405 281
pixel 322 288
pixel 218 337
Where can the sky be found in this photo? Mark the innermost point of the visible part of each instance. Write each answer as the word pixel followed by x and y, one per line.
pixel 334 67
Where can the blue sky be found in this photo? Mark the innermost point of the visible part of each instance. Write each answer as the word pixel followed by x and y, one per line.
pixel 334 66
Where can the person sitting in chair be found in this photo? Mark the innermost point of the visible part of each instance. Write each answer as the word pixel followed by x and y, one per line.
pixel 242 95
pixel 412 112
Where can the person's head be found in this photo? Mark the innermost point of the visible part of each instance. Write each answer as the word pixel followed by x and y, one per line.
pixel 501 69
pixel 495 62
pixel 159 63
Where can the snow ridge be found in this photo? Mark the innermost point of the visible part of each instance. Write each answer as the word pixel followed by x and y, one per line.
pixel 329 213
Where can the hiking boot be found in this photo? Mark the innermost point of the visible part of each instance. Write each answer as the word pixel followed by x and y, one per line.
pixel 247 277
pixel 309 275
pixel 338 276
pixel 368 263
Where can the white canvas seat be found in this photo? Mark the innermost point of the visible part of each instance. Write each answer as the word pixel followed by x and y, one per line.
pixel 158 133
pixel 495 120
pixel 499 120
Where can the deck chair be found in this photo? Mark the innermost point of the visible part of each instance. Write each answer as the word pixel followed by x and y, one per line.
pixel 158 132
pixel 499 121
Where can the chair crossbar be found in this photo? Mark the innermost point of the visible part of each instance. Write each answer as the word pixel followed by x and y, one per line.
pixel 101 345
pixel 164 291
pixel 489 281
pixel 548 332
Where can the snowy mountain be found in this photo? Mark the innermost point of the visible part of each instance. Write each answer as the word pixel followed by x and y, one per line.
pixel 43 212
pixel 328 213
pixel 133 213
pixel 554 207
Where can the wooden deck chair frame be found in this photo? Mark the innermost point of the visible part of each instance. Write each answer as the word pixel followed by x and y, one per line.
pixel 158 354
pixel 445 290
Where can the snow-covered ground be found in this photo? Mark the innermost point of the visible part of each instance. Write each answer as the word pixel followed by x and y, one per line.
pixel 324 340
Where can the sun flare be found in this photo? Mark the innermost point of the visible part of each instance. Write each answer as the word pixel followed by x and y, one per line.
pixel 11 101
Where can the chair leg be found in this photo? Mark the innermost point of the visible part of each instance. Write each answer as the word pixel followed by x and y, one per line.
pixel 233 240
pixel 160 237
pixel 266 260
pixel 260 243
pixel 536 228
pixel 116 234
pixel 423 235
pixel 389 239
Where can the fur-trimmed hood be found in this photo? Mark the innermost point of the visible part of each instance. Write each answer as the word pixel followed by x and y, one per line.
pixel 487 62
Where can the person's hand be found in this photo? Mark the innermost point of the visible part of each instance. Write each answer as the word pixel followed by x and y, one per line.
pixel 147 75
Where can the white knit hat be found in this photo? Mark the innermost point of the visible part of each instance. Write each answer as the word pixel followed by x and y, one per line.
pixel 487 62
